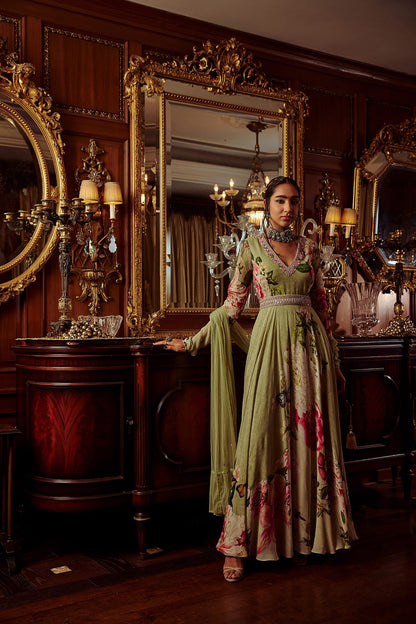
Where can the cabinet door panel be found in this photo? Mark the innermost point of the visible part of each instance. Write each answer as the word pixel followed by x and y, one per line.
pixel 375 404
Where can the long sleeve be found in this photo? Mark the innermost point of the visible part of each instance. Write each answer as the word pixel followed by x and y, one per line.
pixel 239 287
pixel 238 292
pixel 319 303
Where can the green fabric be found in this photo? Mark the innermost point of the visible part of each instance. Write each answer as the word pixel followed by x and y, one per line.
pixel 288 492
pixel 223 412
pixel 223 428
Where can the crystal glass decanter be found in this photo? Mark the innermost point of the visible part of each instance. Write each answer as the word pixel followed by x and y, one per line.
pixel 364 296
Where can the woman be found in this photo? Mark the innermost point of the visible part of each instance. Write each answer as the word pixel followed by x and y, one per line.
pixel 288 494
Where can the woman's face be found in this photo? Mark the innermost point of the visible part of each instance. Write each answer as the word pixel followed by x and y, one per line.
pixel 283 206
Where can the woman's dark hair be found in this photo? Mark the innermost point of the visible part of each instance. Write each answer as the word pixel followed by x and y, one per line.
pixel 274 182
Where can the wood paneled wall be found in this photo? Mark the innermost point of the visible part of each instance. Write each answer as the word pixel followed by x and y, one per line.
pixel 81 50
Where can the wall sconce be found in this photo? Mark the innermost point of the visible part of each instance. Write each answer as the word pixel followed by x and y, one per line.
pixel 94 256
pixel 349 220
pixel 336 217
pixel 333 218
pixel 88 193
pixel 112 197
pixel 334 254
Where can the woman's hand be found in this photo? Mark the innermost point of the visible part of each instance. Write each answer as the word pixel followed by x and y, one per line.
pixel 172 344
pixel 340 381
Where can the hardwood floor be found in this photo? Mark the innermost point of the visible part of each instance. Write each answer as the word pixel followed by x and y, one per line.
pixel 374 582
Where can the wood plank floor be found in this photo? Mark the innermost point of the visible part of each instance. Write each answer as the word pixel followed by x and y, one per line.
pixel 374 582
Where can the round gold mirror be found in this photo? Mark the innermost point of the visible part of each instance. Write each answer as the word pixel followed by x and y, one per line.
pixel 31 169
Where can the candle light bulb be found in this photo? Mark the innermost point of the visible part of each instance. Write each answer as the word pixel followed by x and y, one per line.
pixel 231 183
pixel 112 197
pixel 267 180
pixel 215 188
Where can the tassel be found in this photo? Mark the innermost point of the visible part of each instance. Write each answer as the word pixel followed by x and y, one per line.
pixel 351 440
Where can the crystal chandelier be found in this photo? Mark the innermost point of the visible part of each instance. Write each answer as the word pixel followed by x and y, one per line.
pixel 251 203
pixel 245 214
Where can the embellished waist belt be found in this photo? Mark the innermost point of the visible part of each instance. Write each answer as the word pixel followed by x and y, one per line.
pixel 303 300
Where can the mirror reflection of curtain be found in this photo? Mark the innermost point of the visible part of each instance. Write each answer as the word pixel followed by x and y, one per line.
pixel 191 284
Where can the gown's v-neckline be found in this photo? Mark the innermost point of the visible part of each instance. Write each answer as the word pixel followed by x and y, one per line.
pixel 286 268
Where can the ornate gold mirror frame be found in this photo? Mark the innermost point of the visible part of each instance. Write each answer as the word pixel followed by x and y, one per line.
pixel 28 109
pixel 221 70
pixel 384 197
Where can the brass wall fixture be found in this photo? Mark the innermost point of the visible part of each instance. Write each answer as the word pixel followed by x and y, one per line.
pixel 94 255
pixel 333 230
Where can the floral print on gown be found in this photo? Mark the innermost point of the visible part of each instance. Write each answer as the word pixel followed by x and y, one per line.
pixel 289 493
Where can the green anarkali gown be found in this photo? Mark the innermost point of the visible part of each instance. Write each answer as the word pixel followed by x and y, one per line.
pixel 288 489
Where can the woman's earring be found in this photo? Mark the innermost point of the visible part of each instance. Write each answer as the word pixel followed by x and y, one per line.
pixel 267 217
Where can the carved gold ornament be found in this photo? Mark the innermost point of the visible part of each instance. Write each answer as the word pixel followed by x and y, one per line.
pixel 29 108
pixel 227 71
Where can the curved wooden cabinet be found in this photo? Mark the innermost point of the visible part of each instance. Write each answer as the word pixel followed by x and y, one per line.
pixel 75 410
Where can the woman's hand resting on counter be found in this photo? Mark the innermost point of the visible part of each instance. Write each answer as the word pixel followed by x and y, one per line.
pixel 172 344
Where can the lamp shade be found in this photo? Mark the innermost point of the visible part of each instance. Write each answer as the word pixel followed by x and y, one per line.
pixel 333 215
pixel 112 193
pixel 349 217
pixel 88 192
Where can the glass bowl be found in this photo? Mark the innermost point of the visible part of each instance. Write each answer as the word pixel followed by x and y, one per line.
pixel 109 324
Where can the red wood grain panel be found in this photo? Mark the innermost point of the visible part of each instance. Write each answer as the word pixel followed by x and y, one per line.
pixel 76 430
pixel 88 61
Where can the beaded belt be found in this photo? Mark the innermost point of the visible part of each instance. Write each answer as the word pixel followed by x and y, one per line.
pixel 303 300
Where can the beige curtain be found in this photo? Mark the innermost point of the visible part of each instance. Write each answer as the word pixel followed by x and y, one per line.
pixel 191 284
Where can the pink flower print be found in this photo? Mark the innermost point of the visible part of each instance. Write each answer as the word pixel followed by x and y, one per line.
pixel 322 467
pixel 263 505
pixel 311 422
pixel 258 497
pixel 336 475
pixel 282 465
pixel 257 285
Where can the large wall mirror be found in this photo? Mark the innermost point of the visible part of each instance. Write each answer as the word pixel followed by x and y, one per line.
pixel 197 122
pixel 385 198
pixel 31 169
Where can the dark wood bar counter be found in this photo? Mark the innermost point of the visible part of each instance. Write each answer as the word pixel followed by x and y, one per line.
pixel 119 422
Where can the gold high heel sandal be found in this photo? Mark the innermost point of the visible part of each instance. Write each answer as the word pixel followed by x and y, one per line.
pixel 237 577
